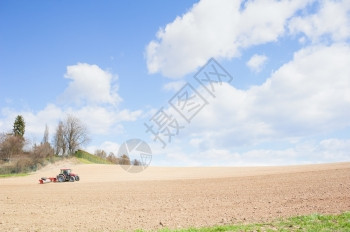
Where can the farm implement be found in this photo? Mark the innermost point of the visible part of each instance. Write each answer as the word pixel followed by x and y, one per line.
pixel 44 180
pixel 65 175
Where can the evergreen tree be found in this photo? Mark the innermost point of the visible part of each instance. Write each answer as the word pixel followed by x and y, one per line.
pixel 19 126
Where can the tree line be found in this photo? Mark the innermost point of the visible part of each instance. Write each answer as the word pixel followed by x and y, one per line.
pixel 122 160
pixel 69 136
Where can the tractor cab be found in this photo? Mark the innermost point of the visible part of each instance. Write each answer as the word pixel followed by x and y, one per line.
pixel 66 171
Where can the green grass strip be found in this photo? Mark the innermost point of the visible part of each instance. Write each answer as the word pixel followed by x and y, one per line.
pixel 88 158
pixel 13 175
pixel 309 223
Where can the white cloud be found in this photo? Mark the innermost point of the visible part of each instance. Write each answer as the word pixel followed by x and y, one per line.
pixel 95 91
pixel 128 116
pixel 304 152
pixel 107 146
pixel 331 20
pixel 216 29
pixel 256 62
pixel 336 149
pixel 35 121
pixel 174 86
pixel 99 120
pixel 307 96
pixel 90 84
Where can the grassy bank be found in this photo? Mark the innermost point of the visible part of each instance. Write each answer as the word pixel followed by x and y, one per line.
pixel 314 222
pixel 13 175
pixel 87 158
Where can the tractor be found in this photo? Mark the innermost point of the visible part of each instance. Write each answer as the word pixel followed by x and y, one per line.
pixel 67 175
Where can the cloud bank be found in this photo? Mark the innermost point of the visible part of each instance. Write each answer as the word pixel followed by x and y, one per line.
pixel 219 29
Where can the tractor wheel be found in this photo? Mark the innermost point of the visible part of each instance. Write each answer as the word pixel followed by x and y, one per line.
pixel 72 179
pixel 60 179
pixel 77 178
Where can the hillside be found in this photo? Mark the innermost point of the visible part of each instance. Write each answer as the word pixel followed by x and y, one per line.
pixel 87 158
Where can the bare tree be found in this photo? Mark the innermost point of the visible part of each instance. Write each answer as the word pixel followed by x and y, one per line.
pixel 75 134
pixel 112 158
pixel 124 160
pixel 10 145
pixel 42 151
pixel 101 153
pixel 136 162
pixel 59 142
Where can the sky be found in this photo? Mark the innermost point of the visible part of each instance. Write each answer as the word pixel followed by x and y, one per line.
pixel 203 83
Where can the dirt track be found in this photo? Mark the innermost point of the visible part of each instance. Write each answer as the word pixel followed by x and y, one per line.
pixel 109 199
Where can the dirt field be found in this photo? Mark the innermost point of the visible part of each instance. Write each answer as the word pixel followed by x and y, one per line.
pixel 109 199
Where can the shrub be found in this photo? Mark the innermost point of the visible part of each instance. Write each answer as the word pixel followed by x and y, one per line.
pixel 112 158
pixel 10 145
pixel 124 160
pixel 41 152
pixel 25 164
pixel 136 162
pixel 101 153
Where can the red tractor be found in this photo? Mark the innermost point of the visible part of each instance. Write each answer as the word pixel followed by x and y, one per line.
pixel 67 175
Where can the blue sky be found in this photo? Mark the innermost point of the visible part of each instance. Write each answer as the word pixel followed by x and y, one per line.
pixel 114 64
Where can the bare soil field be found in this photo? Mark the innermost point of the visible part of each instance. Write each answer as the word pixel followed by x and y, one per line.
pixel 110 199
